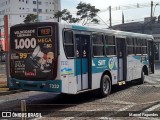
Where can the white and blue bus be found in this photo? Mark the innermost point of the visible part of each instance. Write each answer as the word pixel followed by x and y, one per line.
pixel 59 58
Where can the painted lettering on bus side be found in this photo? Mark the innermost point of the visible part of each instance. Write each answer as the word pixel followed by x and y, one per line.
pixel 64 62
pixel 101 62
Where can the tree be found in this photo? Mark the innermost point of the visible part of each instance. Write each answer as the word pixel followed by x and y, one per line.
pixel 58 15
pixel 86 13
pixel 30 18
pixel 66 16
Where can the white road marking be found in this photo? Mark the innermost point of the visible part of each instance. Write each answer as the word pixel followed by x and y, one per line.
pixel 121 102
pixel 68 118
pixel 157 79
pixel 108 118
pixel 2 101
pixel 149 118
pixel 149 110
pixel 153 107
pixel 149 102
pixel 152 85
pixel 125 108
pixel 149 81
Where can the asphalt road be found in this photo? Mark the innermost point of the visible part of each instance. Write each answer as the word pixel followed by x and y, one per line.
pixel 122 101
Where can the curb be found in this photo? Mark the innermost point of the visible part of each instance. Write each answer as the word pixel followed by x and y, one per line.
pixel 4 89
pixel 10 92
pixel 3 86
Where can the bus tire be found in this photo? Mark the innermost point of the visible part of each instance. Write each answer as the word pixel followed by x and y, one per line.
pixel 141 80
pixel 105 86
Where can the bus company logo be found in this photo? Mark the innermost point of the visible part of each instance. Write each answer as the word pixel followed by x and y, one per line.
pixel 6 114
pixel 111 63
pixel 66 71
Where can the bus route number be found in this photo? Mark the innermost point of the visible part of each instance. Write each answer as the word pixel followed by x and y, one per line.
pixel 54 86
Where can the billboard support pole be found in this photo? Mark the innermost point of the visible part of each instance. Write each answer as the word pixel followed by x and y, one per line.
pixel 6 35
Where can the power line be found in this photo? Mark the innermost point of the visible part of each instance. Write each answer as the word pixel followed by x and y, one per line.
pixel 130 6
pixel 103 21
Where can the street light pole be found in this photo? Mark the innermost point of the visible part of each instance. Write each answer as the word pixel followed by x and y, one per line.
pixel 154 9
pixel 152 14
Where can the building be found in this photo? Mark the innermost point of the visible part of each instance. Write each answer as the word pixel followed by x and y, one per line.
pixel 147 26
pixel 17 10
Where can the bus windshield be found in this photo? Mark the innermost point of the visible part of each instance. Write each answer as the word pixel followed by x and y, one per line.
pixel 33 51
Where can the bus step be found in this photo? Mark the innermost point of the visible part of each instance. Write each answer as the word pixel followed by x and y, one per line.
pixel 122 83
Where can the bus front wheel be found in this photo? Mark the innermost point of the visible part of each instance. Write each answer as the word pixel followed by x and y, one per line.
pixel 105 86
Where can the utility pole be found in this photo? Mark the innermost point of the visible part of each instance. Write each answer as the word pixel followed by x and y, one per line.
pixel 151 10
pixel 122 17
pixel 151 16
pixel 110 17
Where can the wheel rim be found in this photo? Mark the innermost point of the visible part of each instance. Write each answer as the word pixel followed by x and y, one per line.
pixel 106 86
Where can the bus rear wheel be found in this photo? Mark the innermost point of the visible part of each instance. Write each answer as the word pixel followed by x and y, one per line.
pixel 105 86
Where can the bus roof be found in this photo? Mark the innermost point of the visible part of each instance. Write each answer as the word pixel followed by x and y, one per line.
pixel 109 31
pixel 93 29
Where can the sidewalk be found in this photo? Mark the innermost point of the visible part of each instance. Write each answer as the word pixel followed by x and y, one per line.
pixel 3 84
pixel 4 90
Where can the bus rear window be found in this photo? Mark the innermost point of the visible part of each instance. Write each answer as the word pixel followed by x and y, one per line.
pixel 33 51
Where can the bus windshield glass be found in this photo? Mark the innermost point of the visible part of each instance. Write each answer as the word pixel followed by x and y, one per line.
pixel 33 51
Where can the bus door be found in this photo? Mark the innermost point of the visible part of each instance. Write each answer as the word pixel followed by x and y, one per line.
pixel 83 64
pixel 122 59
pixel 151 56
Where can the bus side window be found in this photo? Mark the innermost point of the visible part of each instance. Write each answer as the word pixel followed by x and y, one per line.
pixel 138 45
pixel 130 45
pixel 144 46
pixel 98 44
pixel 69 44
pixel 110 45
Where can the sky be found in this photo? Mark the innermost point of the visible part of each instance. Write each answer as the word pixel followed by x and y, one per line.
pixel 130 15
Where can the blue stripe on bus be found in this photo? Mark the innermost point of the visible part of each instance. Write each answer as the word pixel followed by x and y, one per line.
pixel 137 57
pixel 101 64
pixel 46 86
pixel 98 65
pixel 79 27
pixel 77 64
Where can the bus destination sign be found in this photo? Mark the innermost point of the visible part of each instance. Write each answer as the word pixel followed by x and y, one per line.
pixel 45 31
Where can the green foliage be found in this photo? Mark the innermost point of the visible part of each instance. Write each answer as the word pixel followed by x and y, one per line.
pixel 30 18
pixel 86 13
pixel 66 16
pixel 94 20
